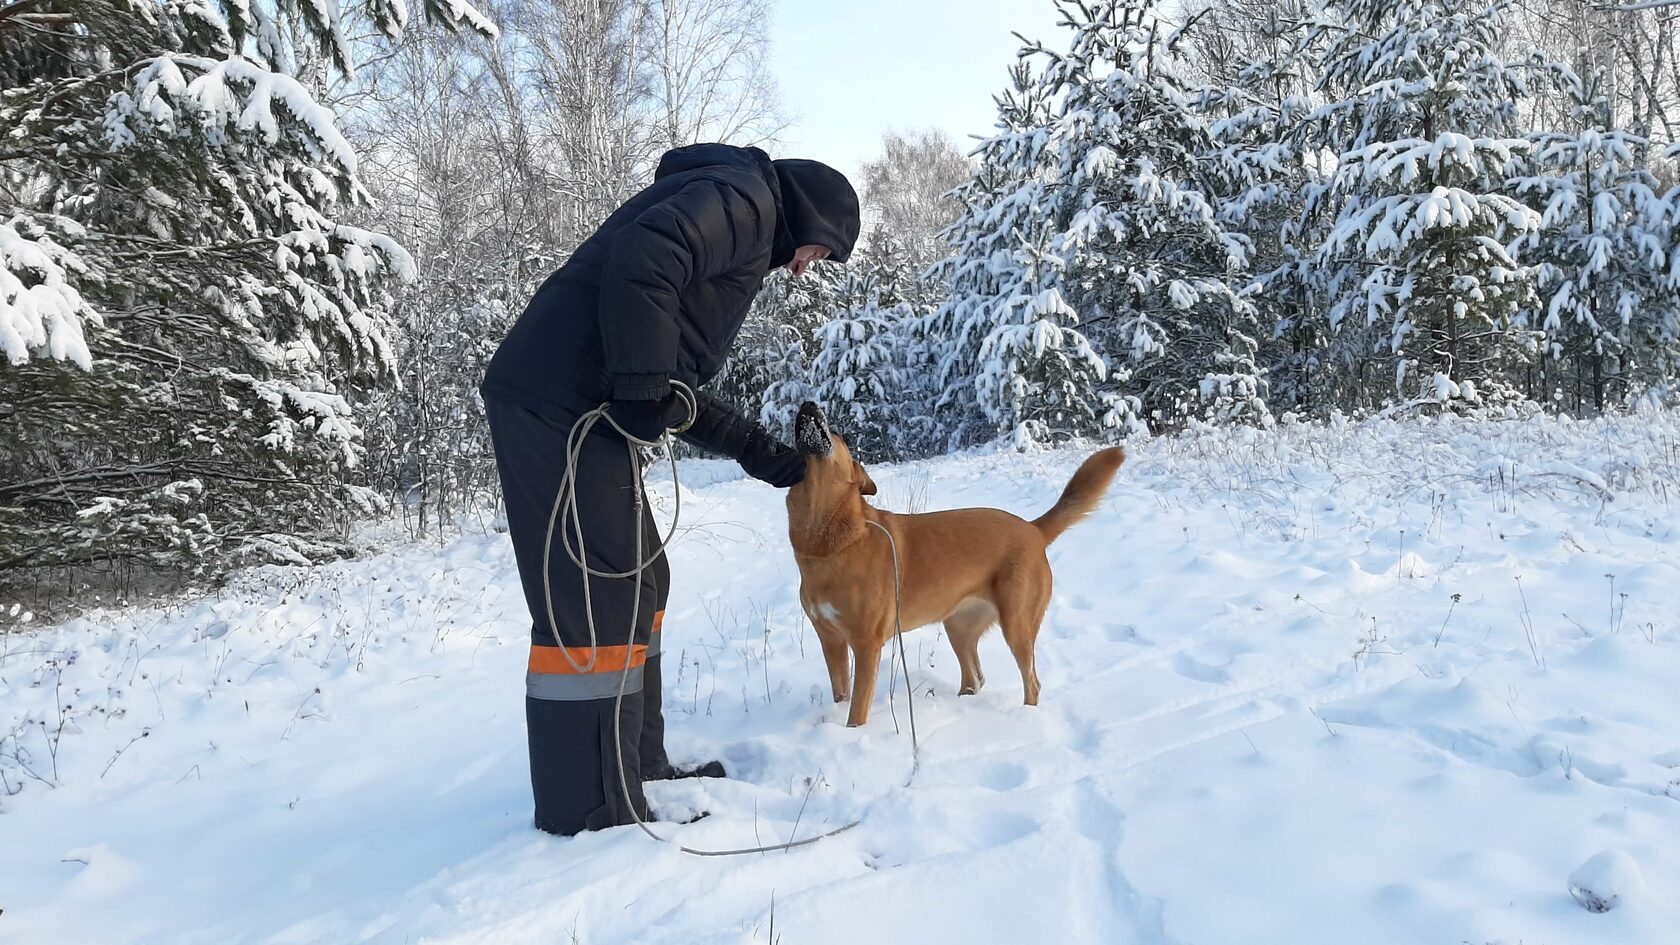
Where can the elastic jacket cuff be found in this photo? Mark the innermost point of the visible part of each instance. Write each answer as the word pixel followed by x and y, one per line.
pixel 641 386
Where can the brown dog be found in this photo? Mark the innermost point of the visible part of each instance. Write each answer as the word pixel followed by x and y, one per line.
pixel 971 568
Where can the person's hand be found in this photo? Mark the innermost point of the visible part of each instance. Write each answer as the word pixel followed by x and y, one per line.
pixel 768 461
pixel 804 256
pixel 648 420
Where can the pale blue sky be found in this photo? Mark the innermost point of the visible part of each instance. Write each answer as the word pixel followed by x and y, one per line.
pixel 849 70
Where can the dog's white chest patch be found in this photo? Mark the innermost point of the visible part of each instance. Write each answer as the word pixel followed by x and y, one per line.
pixel 827 611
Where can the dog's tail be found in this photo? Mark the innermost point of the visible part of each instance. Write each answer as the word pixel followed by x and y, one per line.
pixel 1082 494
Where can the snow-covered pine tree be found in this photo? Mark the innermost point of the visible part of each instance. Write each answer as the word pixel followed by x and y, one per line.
pixel 865 371
pixel 185 314
pixel 1604 307
pixel 1100 285
pixel 1407 237
pixel 1257 86
pixel 1010 358
pixel 855 371
pixel 1036 374
pixel 1158 267
pixel 1657 330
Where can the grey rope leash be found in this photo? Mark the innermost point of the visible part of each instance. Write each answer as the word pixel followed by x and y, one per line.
pixel 565 500
pixel 903 660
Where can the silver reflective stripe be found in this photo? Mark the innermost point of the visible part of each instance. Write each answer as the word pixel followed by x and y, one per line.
pixel 578 687
pixel 653 645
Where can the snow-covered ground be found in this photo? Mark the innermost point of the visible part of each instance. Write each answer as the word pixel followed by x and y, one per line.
pixel 1389 682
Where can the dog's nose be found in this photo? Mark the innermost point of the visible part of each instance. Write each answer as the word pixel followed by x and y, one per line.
pixel 810 431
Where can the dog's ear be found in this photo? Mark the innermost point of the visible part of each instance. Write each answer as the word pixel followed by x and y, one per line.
pixel 866 485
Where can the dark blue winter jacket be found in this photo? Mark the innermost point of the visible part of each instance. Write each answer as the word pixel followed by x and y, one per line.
pixel 659 292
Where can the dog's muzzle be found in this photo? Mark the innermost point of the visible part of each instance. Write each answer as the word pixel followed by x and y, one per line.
pixel 810 431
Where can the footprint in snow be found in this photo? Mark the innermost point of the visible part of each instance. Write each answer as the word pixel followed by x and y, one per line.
pixel 1192 668
pixel 997 829
pixel 1123 633
pixel 1002 776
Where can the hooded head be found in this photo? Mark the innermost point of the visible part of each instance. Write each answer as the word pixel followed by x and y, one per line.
pixel 819 206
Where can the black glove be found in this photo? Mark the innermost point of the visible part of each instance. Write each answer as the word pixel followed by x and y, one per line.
pixel 768 461
pixel 718 428
pixel 647 420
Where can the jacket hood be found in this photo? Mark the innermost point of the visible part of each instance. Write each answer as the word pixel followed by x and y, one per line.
pixel 695 156
pixel 819 206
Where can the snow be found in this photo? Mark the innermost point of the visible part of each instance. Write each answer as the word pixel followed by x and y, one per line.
pixel 296 412
pixel 463 12
pixel 1391 681
pixel 214 93
pixel 40 311
pixel 1601 882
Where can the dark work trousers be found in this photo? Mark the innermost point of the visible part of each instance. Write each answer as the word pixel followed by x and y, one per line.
pixel 568 709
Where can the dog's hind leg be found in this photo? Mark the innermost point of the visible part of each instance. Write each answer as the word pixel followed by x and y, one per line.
pixel 1021 614
pixel 966 625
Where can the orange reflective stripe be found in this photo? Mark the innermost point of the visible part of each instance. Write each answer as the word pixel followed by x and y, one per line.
pixel 551 660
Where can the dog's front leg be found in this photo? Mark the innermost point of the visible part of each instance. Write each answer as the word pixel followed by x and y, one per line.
pixel 834 654
pixel 868 663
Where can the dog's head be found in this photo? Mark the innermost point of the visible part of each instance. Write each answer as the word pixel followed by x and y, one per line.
pixel 828 461
pixel 832 477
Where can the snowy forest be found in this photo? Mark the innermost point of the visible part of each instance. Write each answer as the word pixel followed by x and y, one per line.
pixel 254 255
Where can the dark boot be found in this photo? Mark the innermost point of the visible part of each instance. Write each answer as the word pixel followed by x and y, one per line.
pixel 709 769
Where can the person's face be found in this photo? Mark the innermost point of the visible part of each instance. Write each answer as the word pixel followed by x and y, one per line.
pixel 804 256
